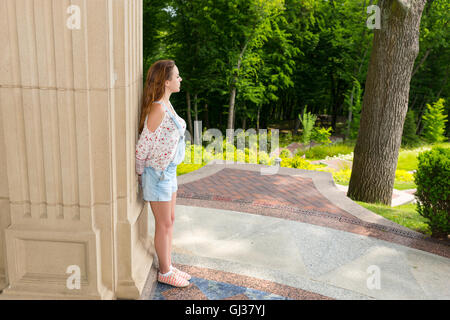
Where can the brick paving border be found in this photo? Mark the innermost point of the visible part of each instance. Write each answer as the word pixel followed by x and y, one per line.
pixel 193 293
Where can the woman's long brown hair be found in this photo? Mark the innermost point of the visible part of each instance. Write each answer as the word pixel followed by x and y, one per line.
pixel 159 72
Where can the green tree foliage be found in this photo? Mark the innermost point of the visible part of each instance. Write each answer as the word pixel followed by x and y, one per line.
pixel 292 53
pixel 154 18
pixel 434 122
pixel 355 105
pixel 432 67
pixel 409 136
pixel 321 135
pixel 308 120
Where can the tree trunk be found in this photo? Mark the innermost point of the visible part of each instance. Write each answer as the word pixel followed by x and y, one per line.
pixel 233 89
pixel 195 106
pixel 385 103
pixel 206 116
pixel 257 119
pixel 419 122
pixel 198 134
pixel 421 62
pixel 443 85
pixel 296 126
pixel 350 114
pixel 189 118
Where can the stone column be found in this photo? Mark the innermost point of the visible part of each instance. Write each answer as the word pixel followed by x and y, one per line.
pixel 70 89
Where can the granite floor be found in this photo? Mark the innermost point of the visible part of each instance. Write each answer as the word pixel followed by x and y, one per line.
pixel 209 284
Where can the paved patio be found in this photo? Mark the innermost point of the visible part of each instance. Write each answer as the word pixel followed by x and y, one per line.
pixel 243 234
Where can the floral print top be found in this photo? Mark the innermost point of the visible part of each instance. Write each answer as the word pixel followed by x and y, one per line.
pixel 157 149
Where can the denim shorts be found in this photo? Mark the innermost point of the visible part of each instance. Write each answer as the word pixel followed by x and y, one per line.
pixel 159 185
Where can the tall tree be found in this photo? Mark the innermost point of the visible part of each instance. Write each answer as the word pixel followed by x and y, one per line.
pixel 385 103
pixel 252 28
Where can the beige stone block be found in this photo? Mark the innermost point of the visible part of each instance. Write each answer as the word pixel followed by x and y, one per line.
pixel 120 140
pixel 44 39
pixel 5 221
pixel 34 146
pixel 4 189
pixel 7 51
pixel 75 45
pixel 66 70
pixel 30 274
pixel 98 42
pixel 102 218
pixel 13 121
pixel 67 144
pixel 50 129
pixel 83 146
pixel 26 35
pixel 100 140
pixel 69 133
pixel 120 44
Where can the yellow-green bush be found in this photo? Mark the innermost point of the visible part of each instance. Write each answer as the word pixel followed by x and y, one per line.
pixel 342 176
pixel 404 176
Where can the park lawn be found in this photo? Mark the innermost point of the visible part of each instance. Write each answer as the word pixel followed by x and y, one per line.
pixel 405 215
pixel 403 185
pixel 399 185
pixel 184 168
pixel 407 158
pixel 322 151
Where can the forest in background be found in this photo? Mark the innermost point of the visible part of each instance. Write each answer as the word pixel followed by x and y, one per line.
pixel 271 59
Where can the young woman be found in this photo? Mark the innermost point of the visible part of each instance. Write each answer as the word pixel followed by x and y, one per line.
pixel 160 149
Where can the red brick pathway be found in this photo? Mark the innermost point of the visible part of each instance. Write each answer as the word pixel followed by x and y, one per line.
pixel 273 190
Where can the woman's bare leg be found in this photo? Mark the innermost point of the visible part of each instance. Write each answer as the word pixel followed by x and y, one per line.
pixel 172 217
pixel 163 230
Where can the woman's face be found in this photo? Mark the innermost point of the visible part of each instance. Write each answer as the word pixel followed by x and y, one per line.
pixel 174 84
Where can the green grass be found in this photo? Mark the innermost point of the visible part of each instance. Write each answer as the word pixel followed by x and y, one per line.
pixel 407 158
pixel 402 185
pixel 184 168
pixel 405 215
pixel 399 185
pixel 323 151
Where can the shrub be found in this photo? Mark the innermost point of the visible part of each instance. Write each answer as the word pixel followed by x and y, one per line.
pixel 434 122
pixel 308 120
pixel 403 176
pixel 321 152
pixel 285 153
pixel 321 135
pixel 409 136
pixel 299 163
pixel 342 176
pixel 433 189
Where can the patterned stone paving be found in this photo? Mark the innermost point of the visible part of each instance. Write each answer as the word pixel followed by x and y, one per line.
pixel 207 284
pixel 241 185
